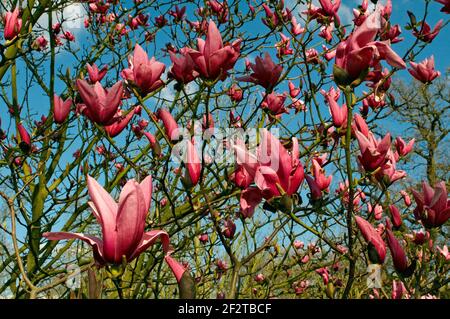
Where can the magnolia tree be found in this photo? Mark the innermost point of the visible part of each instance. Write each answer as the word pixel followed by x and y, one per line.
pixel 234 149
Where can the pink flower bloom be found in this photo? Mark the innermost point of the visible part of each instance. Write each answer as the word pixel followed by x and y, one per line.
pixel 203 238
pixel 433 207
pixel 426 34
pixel 119 124
pixel 296 28
pixel 220 9
pixel 284 46
pixel 213 59
pixel 235 93
pixel 259 278
pixel 339 114
pixel 299 244
pixel 446 7
pixel 322 181
pixel 193 165
pixel 398 289
pixel 96 75
pixel 170 125
pixel 373 151
pixel 360 51
pixel 123 224
pixel 372 237
pixel 360 125
pixel 41 43
pixel 274 103
pixel 62 109
pixel 100 105
pixel 183 66
pixel 160 21
pixel 274 171
pixel 396 216
pixel 23 134
pixel 326 32
pixel 325 274
pixel 424 71
pixel 376 210
pixel 397 252
pixel 293 90
pixel 144 73
pixel 271 20
pixel 265 72
pixel 178 13
pixel 406 198
pixel 403 149
pixel 444 252
pixel 250 198
pixel 13 24
pixel 229 229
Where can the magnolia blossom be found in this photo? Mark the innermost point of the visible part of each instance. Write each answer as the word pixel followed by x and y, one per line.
pixel 96 74
pixel 100 105
pixel 274 171
pixel 144 73
pixel 213 59
pixel 360 51
pixel 446 7
pixel 424 71
pixel 265 72
pixel 13 24
pixel 123 225
pixel 61 109
pixel 372 237
pixel 433 206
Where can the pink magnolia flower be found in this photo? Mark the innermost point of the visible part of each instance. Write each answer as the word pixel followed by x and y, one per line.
pixel 419 237
pixel 376 210
pixel 397 252
pixel 213 59
pixel 220 9
pixel 327 11
pixel 160 21
pixel 274 103
pixel 293 90
pixel 426 34
pixel 360 125
pixel 23 134
pixel 183 66
pixel 259 278
pixel 235 93
pixel 41 43
pixel 373 151
pixel 424 71
pixel 229 229
pixel 406 198
pixel 13 24
pixel 403 149
pixel 250 198
pixel 96 75
pixel 170 125
pixel 372 237
pixel 396 216
pixel 274 171
pixel 444 252
pixel 265 72
pixel 296 28
pixel 123 223
pixel 271 20
pixel 398 289
pixel 299 244
pixel 62 109
pixel 284 46
pixel 322 181
pixel 325 274
pixel 433 206
pixel 100 105
pixel 339 114
pixel 144 73
pixel 192 164
pixel 203 238
pixel 360 51
pixel 446 7
pixel 360 15
pixel 326 32
pixel 119 124
pixel 178 13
